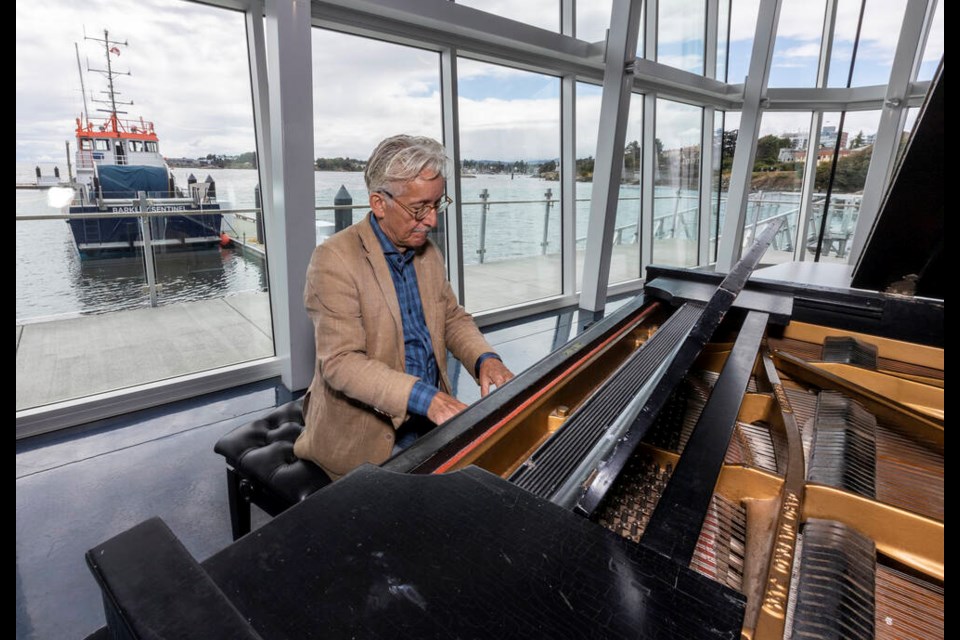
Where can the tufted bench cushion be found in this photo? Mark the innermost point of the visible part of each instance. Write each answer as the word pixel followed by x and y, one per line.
pixel 262 469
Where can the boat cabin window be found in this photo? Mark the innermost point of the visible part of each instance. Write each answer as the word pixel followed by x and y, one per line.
pixel 135 145
pixel 86 144
pixel 101 145
pixel 151 147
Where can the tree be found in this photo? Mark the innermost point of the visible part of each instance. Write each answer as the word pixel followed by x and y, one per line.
pixel 549 166
pixel 585 167
pixel 728 145
pixel 768 151
pixel 857 141
pixel 631 157
pixel 851 172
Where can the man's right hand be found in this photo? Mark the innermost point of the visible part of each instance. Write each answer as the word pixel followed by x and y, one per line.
pixel 443 407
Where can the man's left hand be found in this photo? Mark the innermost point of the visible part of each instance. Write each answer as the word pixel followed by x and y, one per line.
pixel 493 373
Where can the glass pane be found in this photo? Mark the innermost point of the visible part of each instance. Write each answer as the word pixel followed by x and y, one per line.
pixel 681 26
pixel 853 159
pixel 725 129
pixel 625 256
pixel 350 119
pixel 879 32
pixel 796 54
pixel 593 20
pixel 777 182
pixel 723 31
pixel 933 51
pixel 83 286
pixel 510 152
pixel 676 210
pixel 539 13
pixel 743 26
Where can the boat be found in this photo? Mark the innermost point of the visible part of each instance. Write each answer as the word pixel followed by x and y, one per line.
pixel 121 174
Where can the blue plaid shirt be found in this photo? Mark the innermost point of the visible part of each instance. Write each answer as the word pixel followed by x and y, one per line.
pixel 418 346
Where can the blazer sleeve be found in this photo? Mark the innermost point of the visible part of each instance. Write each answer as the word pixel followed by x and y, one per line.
pixel 333 300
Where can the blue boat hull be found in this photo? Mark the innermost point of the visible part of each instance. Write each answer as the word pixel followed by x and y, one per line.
pixel 186 229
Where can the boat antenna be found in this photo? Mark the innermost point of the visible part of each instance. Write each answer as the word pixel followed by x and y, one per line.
pixel 110 48
pixel 83 90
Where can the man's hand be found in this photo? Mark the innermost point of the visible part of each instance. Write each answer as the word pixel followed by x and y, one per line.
pixel 493 373
pixel 443 407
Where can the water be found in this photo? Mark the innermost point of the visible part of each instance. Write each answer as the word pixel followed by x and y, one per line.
pixel 53 282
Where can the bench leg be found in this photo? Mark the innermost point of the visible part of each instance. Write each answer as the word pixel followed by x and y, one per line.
pixel 239 506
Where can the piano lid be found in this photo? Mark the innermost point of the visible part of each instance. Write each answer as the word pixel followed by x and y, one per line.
pixel 905 248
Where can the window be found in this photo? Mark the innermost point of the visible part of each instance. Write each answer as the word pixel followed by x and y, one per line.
pixel 510 155
pixel 676 199
pixel 150 147
pixel 846 140
pixel 796 53
pixel 933 50
pixel 681 27
pixel 202 306
pixel 350 119
pixel 725 130
pixel 878 42
pixel 777 183
pixel 539 13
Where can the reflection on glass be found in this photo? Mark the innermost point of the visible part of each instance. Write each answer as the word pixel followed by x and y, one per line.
pixel 796 54
pixel 539 13
pixel 726 125
pixel 851 149
pixel 593 20
pixel 879 32
pixel 208 304
pixel 723 32
pixel 350 120
pixel 625 256
pixel 510 154
pixel 743 25
pixel 681 26
pixel 676 210
pixel 933 50
pixel 777 182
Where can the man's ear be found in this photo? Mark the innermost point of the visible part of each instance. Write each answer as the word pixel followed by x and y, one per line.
pixel 378 204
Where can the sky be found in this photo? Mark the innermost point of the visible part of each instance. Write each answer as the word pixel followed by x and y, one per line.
pixel 190 76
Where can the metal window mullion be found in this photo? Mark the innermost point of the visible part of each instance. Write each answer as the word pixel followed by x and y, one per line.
pixel 706 136
pixel 706 182
pixel 451 140
pixel 740 177
pixel 648 180
pixel 649 147
pixel 292 234
pixel 568 161
pixel 614 111
pixel 891 116
pixel 809 183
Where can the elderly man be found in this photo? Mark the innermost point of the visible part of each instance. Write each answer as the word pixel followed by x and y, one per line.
pixel 384 317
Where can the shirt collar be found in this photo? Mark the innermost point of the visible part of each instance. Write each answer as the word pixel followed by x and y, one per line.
pixel 389 249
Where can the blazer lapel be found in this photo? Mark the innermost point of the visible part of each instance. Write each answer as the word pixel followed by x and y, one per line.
pixel 381 272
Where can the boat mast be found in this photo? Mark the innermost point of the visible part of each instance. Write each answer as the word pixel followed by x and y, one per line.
pixel 110 47
pixel 83 89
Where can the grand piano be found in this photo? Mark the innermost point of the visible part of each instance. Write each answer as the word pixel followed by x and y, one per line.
pixel 756 454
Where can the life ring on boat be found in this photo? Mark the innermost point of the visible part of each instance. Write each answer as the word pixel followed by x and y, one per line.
pixel 225 240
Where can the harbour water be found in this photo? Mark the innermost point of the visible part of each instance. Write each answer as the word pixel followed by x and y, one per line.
pixel 504 217
pixel 52 282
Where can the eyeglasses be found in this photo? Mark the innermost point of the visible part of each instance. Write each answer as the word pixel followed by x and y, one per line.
pixel 423 210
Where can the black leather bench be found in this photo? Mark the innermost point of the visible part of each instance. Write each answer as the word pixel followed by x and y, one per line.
pixel 261 467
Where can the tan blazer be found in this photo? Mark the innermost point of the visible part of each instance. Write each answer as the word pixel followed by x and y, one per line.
pixel 358 397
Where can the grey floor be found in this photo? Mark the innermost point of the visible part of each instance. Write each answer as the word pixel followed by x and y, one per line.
pixel 79 488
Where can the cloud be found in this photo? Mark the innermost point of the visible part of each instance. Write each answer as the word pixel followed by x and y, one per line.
pixel 188 73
